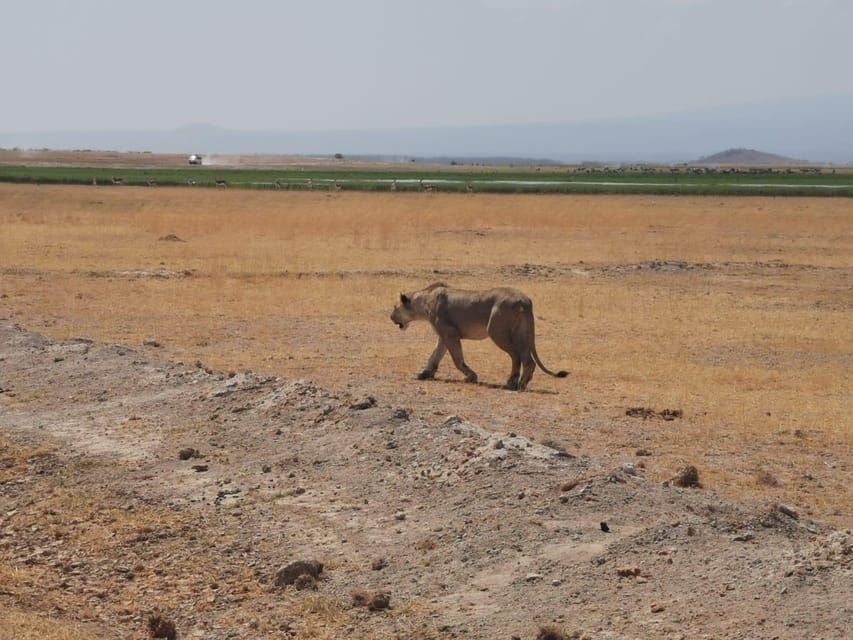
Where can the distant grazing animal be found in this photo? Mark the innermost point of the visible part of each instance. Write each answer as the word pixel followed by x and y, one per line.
pixel 221 183
pixel 505 315
pixel 151 182
pixel 118 180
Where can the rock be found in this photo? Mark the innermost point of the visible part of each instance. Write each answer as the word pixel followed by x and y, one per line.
pixel 288 574
pixel 788 511
pixel 199 468
pixel 187 453
pixel 305 582
pixel 604 527
pixel 378 564
pixel 402 414
pixel 363 404
pixel 628 572
pixel 657 607
pixel 151 343
pixel 374 601
pixel 381 600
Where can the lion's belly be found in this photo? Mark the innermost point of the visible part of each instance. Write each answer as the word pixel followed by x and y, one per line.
pixel 478 332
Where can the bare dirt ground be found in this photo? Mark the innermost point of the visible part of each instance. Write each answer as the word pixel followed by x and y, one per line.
pixel 273 416
pixel 473 533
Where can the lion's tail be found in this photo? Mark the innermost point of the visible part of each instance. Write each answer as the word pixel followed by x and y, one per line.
pixel 558 374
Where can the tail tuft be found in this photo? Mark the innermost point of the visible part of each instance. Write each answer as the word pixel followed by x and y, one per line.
pixel 561 374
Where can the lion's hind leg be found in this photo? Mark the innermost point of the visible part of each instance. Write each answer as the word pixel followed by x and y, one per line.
pixel 502 336
pixel 529 369
pixel 522 344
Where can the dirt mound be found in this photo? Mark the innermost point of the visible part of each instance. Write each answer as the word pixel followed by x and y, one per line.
pixel 464 532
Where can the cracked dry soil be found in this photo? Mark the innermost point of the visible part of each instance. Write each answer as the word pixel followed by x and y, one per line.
pixel 135 490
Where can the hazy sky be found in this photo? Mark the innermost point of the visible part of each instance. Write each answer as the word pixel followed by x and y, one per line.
pixel 339 64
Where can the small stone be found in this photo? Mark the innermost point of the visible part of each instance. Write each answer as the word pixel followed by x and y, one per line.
pixel 199 468
pixel 151 343
pixel 187 453
pixel 657 607
pixel 604 527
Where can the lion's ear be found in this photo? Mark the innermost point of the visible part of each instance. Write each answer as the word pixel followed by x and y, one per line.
pixel 405 299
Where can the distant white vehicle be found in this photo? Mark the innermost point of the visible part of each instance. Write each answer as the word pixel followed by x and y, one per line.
pixel 195 159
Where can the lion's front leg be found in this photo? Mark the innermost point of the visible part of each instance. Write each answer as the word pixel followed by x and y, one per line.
pixel 433 362
pixel 454 345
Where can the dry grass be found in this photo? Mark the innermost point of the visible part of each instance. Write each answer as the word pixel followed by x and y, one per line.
pixel 22 625
pixel 753 349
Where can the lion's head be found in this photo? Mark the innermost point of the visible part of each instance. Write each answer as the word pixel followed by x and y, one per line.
pixel 403 313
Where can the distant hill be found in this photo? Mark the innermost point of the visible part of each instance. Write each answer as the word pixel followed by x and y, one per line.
pixel 819 130
pixel 749 158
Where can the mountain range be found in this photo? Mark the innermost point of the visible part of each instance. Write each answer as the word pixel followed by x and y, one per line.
pixel 817 130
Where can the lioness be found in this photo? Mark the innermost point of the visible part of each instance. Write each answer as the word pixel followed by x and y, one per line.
pixel 503 314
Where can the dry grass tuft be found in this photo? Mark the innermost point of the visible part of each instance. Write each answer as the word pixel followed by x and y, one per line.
pixel 552 632
pixel 687 476
pixel 766 479
pixel 23 625
pixel 161 627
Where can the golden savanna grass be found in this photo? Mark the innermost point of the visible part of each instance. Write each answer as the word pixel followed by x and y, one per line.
pixel 753 343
